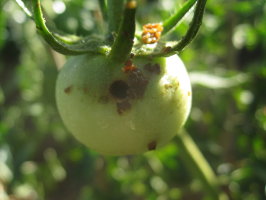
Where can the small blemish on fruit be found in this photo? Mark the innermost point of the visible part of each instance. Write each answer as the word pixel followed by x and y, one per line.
pixel 119 89
pixel 123 106
pixel 85 90
pixel 68 89
pixel 103 99
pixel 153 68
pixel 152 145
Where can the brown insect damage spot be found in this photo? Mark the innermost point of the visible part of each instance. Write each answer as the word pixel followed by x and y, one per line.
pixel 130 89
pixel 103 99
pixel 85 90
pixel 68 89
pixel 123 106
pixel 152 145
pixel 119 89
pixel 153 68
pixel 137 84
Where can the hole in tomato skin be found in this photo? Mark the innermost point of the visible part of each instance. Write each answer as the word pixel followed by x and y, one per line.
pixel 119 89
pixel 152 145
pixel 68 89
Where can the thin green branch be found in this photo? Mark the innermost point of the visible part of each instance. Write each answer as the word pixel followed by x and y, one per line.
pixel 198 166
pixel 24 8
pixel 115 14
pixel 194 26
pixel 192 31
pixel 58 44
pixel 124 41
pixel 171 22
pixel 103 7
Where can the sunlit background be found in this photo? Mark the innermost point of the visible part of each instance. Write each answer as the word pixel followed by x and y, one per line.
pixel 40 159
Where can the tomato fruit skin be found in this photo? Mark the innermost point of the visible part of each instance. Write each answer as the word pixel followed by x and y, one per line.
pixel 123 112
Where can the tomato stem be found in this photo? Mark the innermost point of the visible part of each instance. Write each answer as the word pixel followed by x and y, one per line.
pixel 103 7
pixel 171 22
pixel 124 41
pixel 115 14
pixel 199 167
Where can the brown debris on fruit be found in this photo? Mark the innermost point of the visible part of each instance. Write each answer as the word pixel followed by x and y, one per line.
pixel 129 66
pixel 152 145
pixel 68 89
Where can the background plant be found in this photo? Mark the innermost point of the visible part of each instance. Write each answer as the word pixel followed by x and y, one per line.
pixel 40 160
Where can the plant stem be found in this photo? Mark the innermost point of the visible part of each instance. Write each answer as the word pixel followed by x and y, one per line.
pixel 24 8
pixel 194 26
pixel 124 41
pixel 173 20
pixel 198 166
pixel 115 13
pixel 103 7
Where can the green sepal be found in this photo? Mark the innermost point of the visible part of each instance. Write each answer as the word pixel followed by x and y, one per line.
pixel 66 44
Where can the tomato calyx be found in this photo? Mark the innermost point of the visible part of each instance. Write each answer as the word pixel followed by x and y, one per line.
pixel 123 23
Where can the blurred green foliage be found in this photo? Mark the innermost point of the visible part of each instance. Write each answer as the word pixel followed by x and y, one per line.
pixel 39 158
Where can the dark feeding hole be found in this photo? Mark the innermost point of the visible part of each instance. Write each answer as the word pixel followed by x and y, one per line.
pixel 68 89
pixel 152 145
pixel 118 89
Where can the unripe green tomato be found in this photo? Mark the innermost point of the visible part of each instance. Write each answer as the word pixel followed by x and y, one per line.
pixel 123 109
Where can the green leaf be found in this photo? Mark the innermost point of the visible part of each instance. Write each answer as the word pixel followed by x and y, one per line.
pixel 217 82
